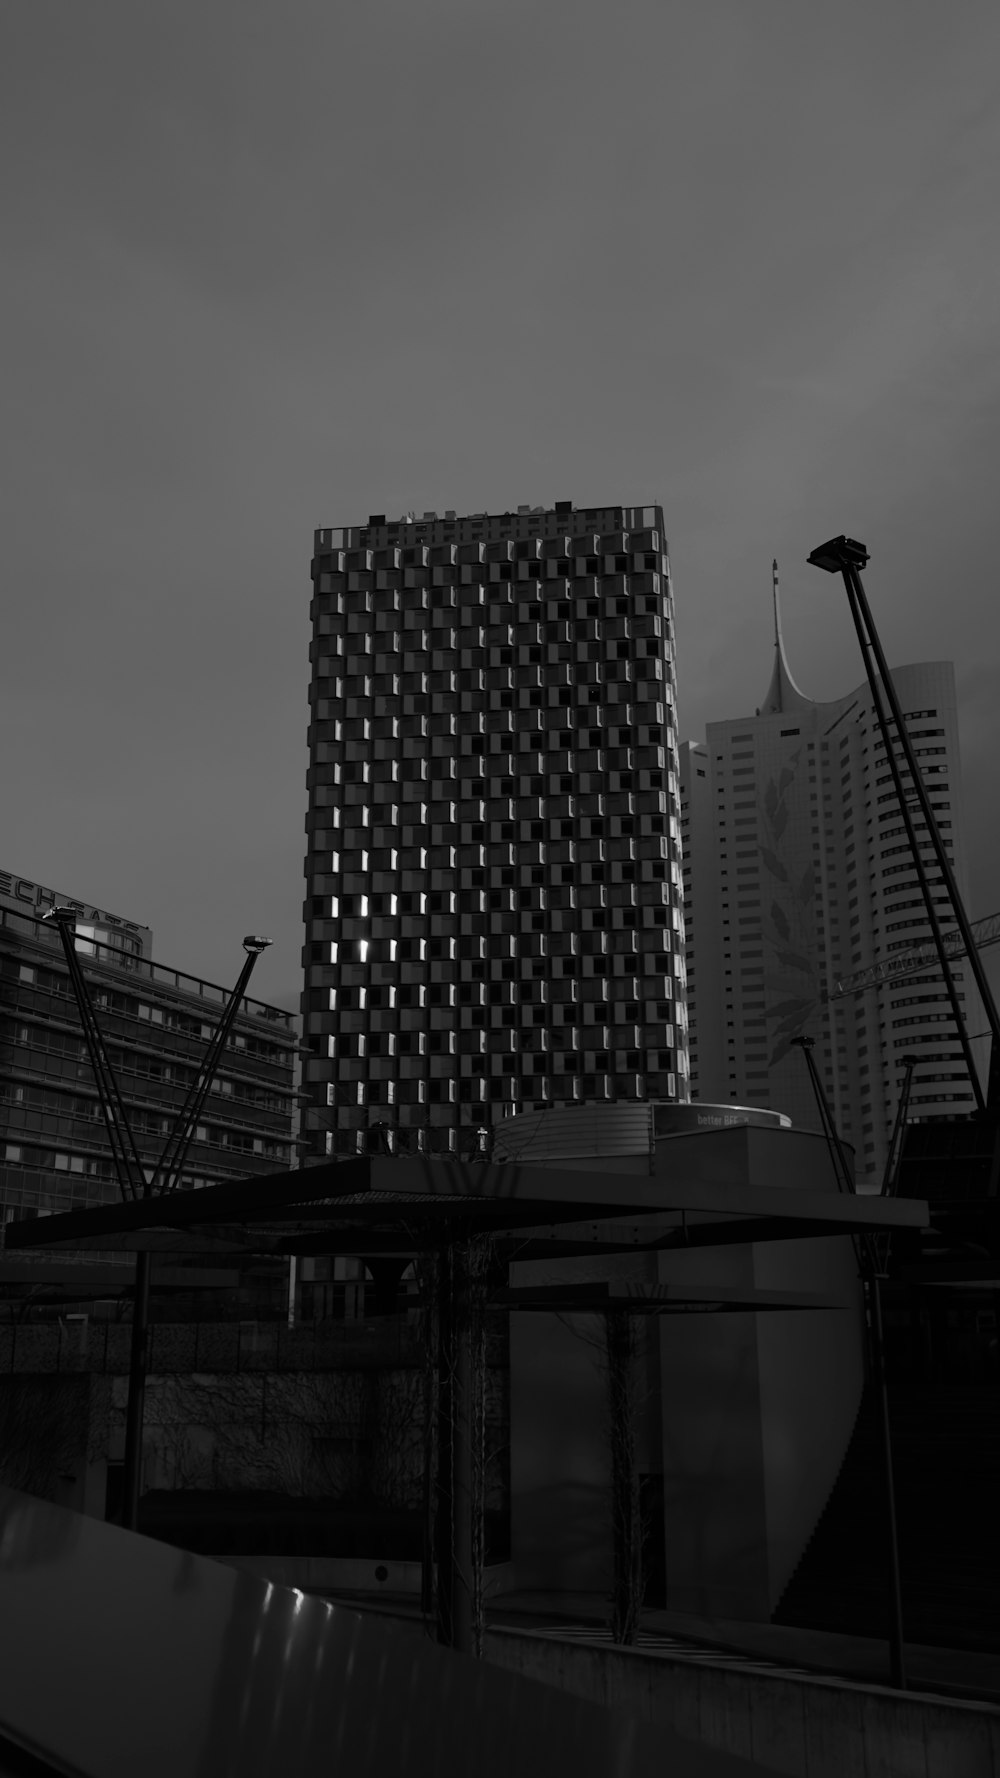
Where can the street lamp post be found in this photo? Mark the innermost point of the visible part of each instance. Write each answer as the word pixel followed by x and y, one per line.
pixel 845 556
pixel 167 1176
pixel 133 1177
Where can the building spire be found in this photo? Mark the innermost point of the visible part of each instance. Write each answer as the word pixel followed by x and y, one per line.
pixel 783 694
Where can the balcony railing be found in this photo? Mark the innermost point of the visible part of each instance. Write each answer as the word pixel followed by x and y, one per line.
pixel 108 957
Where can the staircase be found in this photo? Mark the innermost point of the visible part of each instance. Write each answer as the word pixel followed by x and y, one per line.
pixel 946 1467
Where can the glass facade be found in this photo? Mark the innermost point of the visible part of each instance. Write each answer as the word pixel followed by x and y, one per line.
pixel 493 912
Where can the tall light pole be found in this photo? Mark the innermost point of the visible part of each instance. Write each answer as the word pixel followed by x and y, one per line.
pixel 167 1176
pixel 845 556
pixel 132 1174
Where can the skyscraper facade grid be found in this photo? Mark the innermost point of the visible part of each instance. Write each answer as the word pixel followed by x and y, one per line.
pixel 798 872
pixel 493 892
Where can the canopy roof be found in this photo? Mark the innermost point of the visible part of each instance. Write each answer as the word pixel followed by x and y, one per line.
pixel 381 1204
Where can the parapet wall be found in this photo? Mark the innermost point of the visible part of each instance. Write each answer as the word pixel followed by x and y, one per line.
pixel 794 1724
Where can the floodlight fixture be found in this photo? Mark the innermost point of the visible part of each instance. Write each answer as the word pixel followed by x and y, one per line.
pixel 840 553
pixel 64 916
pixel 254 944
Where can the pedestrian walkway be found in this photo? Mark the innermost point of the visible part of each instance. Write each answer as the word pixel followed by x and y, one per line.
pixel 949 1672
pixel 651 1644
pixel 761 1647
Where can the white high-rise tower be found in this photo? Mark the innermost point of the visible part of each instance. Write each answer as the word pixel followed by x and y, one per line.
pixel 797 871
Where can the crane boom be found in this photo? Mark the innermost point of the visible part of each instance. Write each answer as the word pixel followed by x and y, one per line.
pixel 922 956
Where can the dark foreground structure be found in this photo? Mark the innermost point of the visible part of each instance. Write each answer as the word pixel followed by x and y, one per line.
pixel 121 1656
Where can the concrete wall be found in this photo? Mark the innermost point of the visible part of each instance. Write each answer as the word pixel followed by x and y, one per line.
pixel 829 1728
pixel 47 1447
pixel 341 1574
pixel 714 1482
pixel 559 1462
pixel 811 1369
pixel 746 1415
pixel 560 1465
pixel 758 1409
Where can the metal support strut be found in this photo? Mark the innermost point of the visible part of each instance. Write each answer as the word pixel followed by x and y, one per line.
pixel 454 1495
pixel 127 1160
pixel 171 1167
pixel 131 1171
pixel 462 1272
pixel 871 1270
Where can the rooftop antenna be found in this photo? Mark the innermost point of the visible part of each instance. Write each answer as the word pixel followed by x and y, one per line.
pixel 783 694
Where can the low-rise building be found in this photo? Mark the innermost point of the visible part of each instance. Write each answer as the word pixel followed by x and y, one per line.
pixel 156 1022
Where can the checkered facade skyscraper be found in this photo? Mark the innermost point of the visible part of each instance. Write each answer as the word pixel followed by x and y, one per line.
pixel 493 893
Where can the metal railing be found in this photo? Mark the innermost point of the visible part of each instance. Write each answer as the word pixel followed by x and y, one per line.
pixel 108 957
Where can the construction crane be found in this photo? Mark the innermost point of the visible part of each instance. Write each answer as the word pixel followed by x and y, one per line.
pixel 914 959
pixel 845 556
pixel 134 1179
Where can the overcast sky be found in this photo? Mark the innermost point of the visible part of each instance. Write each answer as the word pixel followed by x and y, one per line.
pixel 274 267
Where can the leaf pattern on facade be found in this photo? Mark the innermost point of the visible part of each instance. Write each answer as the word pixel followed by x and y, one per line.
pixel 794 960
pixel 784 1008
pixel 780 920
pixel 788 928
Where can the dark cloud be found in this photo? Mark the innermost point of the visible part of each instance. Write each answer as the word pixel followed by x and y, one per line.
pixel 269 269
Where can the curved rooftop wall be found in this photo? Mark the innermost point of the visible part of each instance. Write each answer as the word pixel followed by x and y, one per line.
pixel 568 1132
